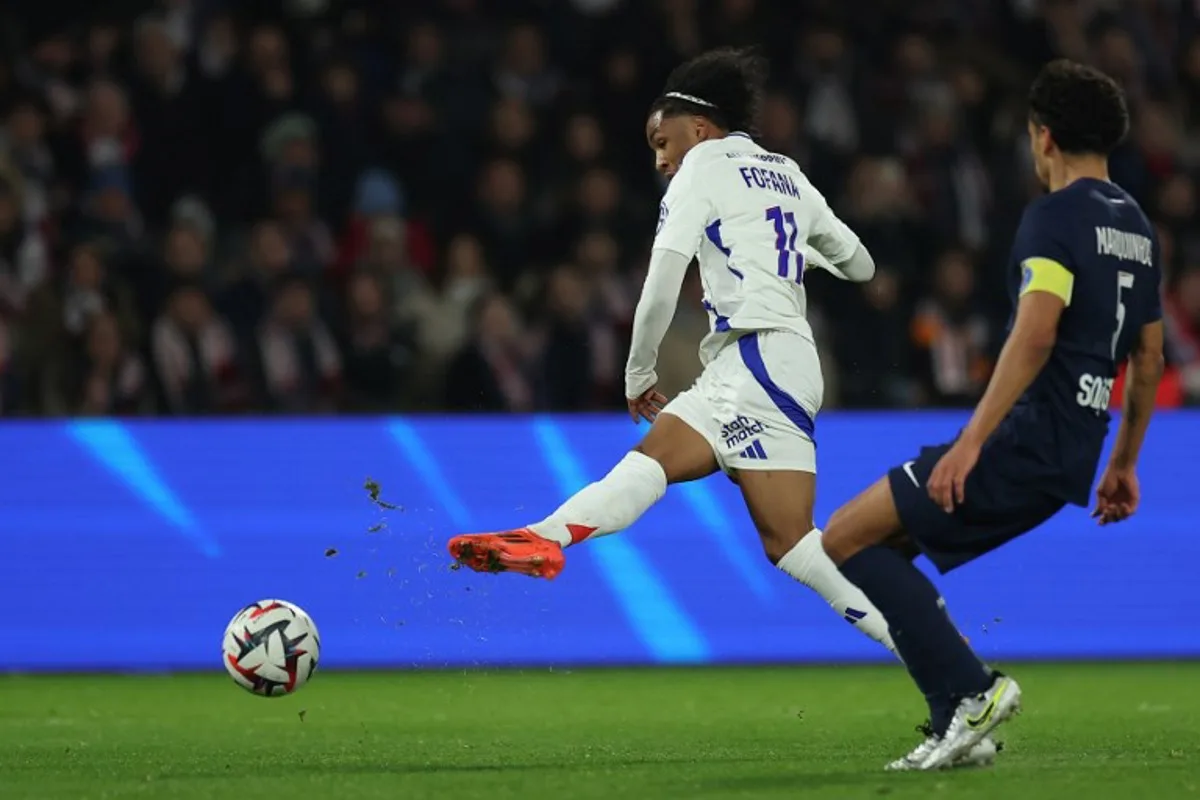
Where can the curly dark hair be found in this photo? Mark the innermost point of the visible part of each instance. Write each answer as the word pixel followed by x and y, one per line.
pixel 1083 108
pixel 724 86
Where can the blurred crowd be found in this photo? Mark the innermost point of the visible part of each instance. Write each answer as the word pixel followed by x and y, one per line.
pixel 313 205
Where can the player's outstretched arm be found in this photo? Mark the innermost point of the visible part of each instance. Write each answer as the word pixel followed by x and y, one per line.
pixel 655 310
pixel 1141 387
pixel 1024 354
pixel 1026 351
pixel 1118 494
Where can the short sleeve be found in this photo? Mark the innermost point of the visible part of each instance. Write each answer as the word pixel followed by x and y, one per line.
pixel 682 215
pixel 1043 258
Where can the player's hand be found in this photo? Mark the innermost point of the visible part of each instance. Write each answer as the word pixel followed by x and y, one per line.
pixel 647 405
pixel 1117 496
pixel 949 477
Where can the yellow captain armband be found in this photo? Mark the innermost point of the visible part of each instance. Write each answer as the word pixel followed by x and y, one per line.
pixel 1046 275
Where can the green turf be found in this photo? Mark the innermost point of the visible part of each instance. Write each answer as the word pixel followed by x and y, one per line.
pixel 1091 731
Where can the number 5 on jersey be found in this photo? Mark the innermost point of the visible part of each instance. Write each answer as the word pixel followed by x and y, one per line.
pixel 1124 281
pixel 785 243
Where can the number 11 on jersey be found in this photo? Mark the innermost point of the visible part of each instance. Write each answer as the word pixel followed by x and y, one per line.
pixel 785 242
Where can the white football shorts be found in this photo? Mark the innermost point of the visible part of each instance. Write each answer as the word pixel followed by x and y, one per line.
pixel 755 403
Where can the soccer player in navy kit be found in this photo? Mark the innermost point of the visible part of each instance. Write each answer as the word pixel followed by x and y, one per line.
pixel 1085 279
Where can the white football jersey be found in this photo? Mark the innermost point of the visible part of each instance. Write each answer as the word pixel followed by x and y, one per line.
pixel 748 216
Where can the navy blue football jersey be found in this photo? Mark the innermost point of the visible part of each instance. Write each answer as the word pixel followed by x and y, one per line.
pixel 1090 244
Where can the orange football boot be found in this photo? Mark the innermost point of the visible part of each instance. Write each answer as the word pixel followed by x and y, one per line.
pixel 520 551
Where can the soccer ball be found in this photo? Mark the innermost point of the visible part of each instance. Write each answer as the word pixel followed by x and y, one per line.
pixel 271 648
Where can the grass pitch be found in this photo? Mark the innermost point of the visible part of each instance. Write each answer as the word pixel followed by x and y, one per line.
pixel 1090 731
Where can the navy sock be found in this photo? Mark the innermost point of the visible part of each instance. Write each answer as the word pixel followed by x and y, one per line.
pixel 940 662
pixel 941 711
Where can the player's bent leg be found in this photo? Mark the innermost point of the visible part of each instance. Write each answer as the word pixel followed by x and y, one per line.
pixel 934 652
pixel 780 503
pixel 672 451
pixel 868 519
pixel 680 449
pixel 865 537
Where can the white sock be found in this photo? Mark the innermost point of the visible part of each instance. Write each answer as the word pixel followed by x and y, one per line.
pixel 610 504
pixel 808 563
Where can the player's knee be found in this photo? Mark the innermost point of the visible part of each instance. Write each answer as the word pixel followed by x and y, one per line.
pixel 836 521
pixel 838 550
pixel 650 452
pixel 778 541
pixel 837 541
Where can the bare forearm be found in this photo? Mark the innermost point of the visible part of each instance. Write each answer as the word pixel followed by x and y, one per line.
pixel 1141 388
pixel 1020 362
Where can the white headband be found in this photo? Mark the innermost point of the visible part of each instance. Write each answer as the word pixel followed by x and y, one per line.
pixel 690 98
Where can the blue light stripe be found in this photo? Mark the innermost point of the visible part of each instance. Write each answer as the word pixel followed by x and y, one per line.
pixel 424 464
pixel 717 524
pixel 660 623
pixel 111 445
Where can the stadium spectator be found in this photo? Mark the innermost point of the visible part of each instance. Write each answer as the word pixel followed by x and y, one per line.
pixel 495 369
pixel 103 378
pixel 32 163
pixel 23 257
pixel 107 135
pixel 523 71
pixel 61 311
pixel 173 154
pixel 300 368
pixel 1182 317
pixel 504 222
pixel 379 195
pixel 466 279
pixel 413 302
pixel 380 352
pixel 195 355
pixel 185 258
pixel 293 204
pixel 245 299
pixel 950 336
pixel 109 214
pixel 580 368
pixel 877 358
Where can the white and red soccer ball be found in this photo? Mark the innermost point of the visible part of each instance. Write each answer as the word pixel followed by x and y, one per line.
pixel 271 648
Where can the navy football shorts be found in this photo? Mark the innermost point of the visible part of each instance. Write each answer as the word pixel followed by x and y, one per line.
pixel 1001 502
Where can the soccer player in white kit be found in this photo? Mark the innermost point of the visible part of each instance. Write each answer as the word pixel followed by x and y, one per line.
pixel 755 224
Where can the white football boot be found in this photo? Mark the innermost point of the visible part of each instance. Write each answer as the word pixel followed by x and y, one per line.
pixel 973 720
pixel 982 754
